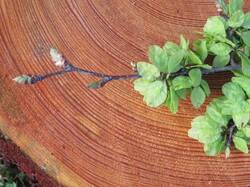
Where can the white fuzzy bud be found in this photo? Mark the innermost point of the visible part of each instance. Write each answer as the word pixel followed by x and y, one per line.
pixel 57 57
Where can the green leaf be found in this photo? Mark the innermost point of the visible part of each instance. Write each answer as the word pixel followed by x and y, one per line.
pixel 184 43
pixel 141 85
pixel 200 47
pixel 234 106
pixel 240 144
pixel 246 51
pixel 175 56
pixel 244 83
pixel 197 97
pixel 195 76
pixel 224 40
pixel 172 101
pixel 171 48
pixel 234 6
pixel 158 57
pixel 215 148
pixel 237 19
pixel 182 82
pixel 246 131
pixel 246 23
pixel 220 49
pixel 156 93
pixel 241 119
pixel 147 71
pixel 174 62
pixel 204 130
pixel 221 61
pixel 214 26
pixel 245 63
pixel 214 113
pixel 182 93
pixel 246 37
pixel 233 91
pixel 193 58
pixel 205 87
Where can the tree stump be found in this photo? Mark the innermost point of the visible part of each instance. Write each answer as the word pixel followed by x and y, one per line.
pixel 105 137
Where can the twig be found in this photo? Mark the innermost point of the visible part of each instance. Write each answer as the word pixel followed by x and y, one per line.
pixel 107 78
pixel 230 132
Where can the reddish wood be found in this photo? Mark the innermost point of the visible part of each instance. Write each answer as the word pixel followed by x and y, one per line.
pixel 106 137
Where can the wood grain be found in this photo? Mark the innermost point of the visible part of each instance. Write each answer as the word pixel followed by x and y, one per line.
pixel 107 137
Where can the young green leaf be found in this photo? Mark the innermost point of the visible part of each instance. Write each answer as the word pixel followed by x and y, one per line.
pixel 246 51
pixel 220 49
pixel 181 82
pixel 156 93
pixel 205 87
pixel 241 119
pixel 214 113
pixel 246 131
pixel 147 71
pixel 246 23
pixel 233 91
pixel 193 58
pixel 158 57
pixel 244 83
pixel 234 6
pixel 182 93
pixel 172 100
pixel 171 48
pixel 184 43
pixel 240 144
pixel 221 61
pixel 197 97
pixel 245 63
pixel 215 148
pixel 195 76
pixel 237 19
pixel 205 130
pixel 141 85
pixel 214 26
pixel 200 47
pixel 174 62
pixel 246 37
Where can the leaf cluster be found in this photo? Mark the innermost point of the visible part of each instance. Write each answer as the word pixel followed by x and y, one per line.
pixel 175 71
pixel 226 119
pixel 158 84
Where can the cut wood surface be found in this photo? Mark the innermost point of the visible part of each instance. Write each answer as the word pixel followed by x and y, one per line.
pixel 105 137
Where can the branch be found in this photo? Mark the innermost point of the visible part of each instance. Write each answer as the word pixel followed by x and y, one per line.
pixel 33 79
pixel 67 67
